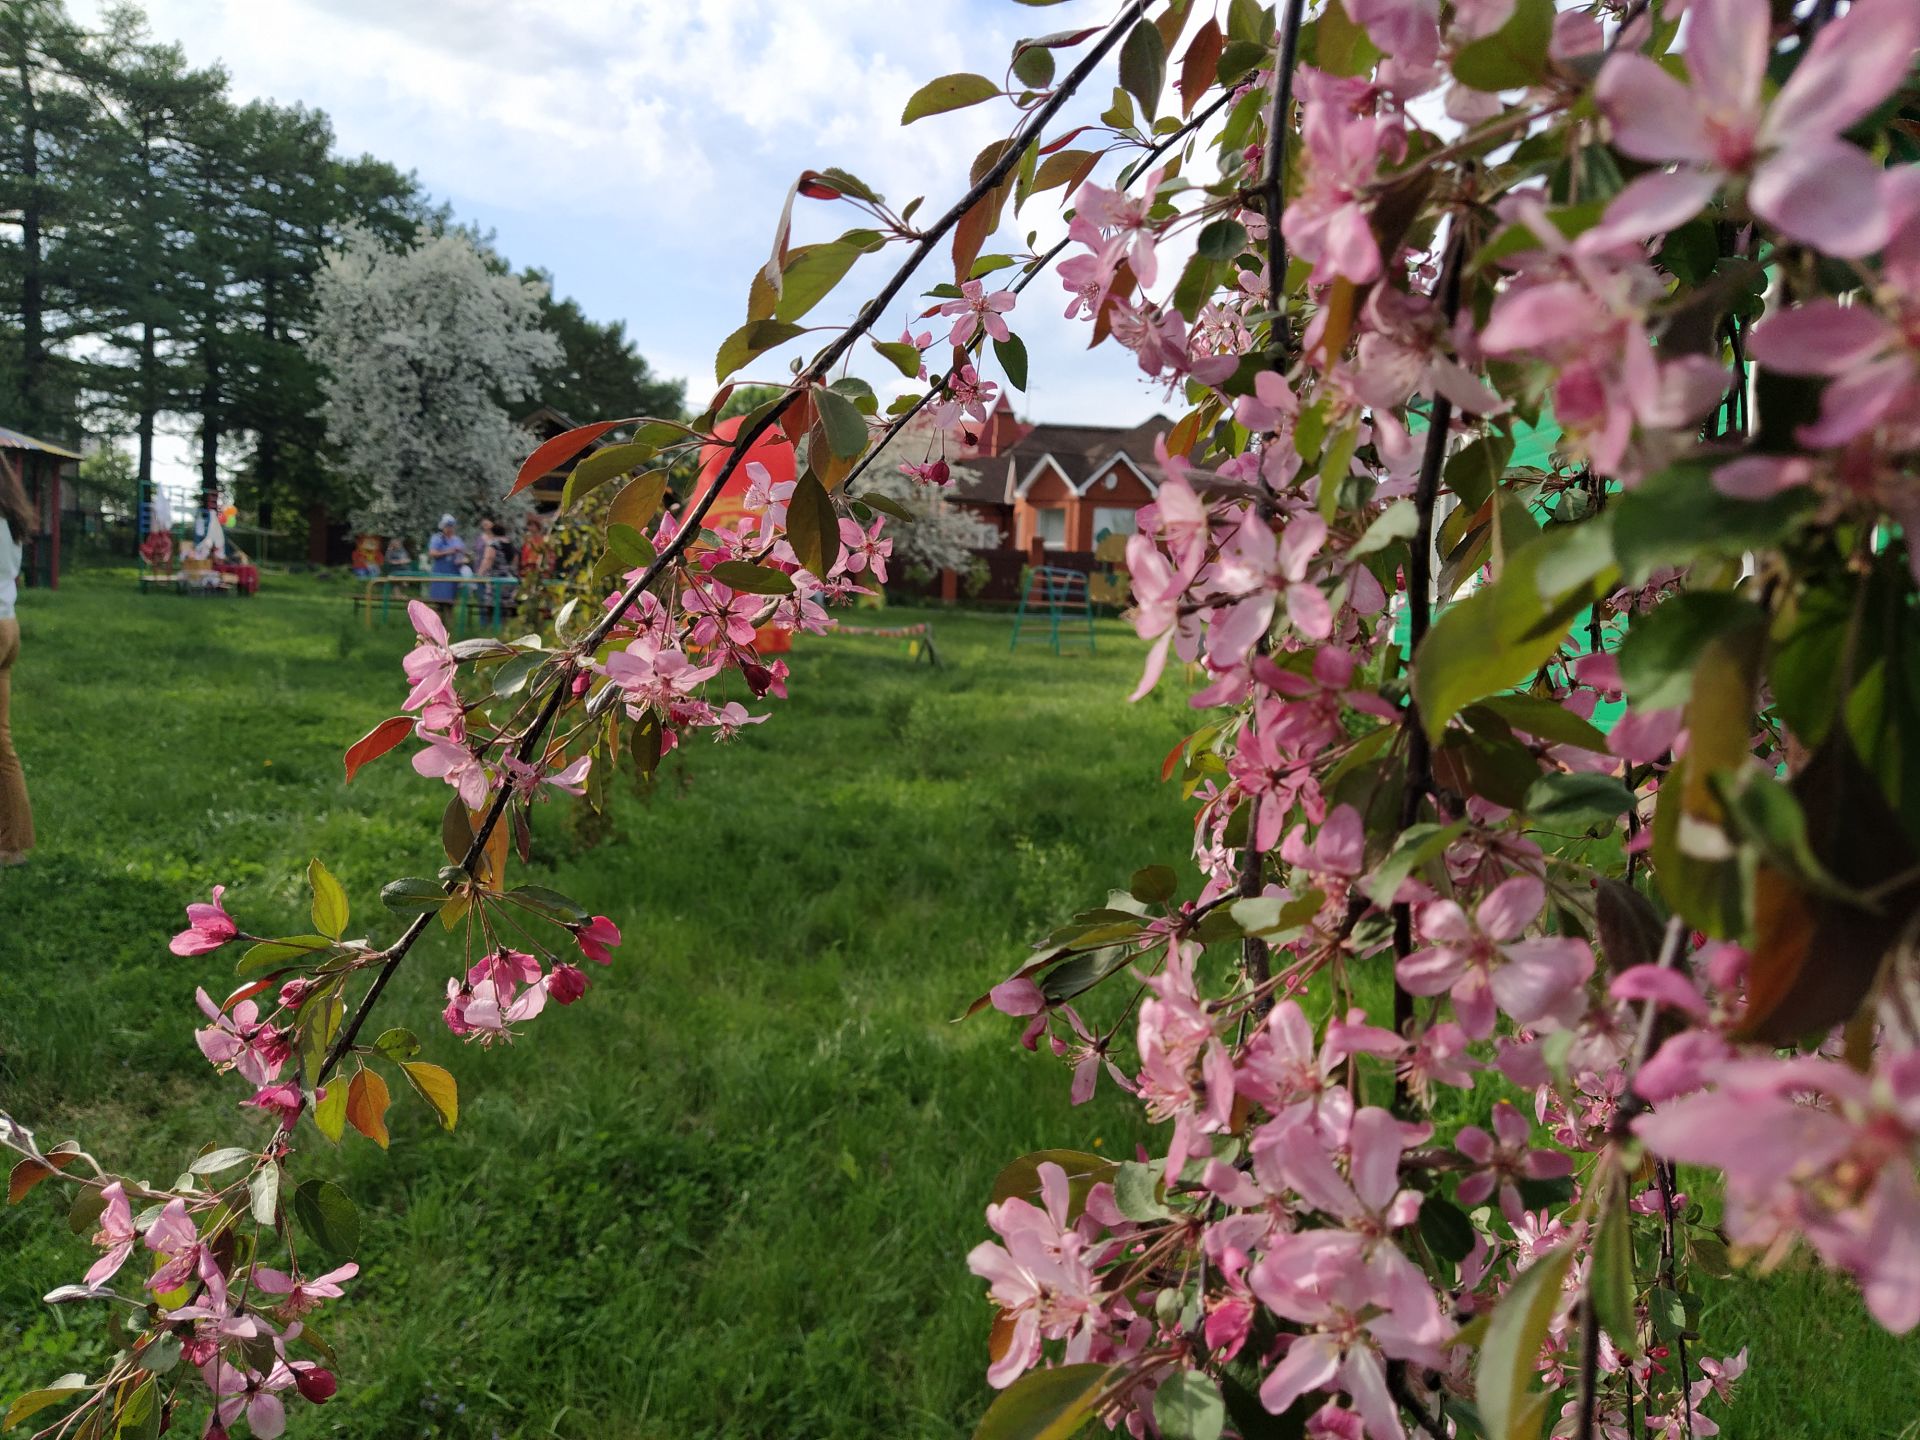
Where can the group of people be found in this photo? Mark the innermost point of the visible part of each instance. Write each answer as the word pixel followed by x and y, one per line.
pixel 16 523
pixel 493 555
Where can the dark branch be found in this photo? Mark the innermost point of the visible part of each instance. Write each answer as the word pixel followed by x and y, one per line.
pixel 822 365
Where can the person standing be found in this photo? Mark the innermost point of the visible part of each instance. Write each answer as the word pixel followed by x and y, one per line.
pixel 446 552
pixel 16 523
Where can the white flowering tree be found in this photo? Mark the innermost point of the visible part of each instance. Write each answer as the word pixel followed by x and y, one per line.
pixel 424 349
pixel 942 536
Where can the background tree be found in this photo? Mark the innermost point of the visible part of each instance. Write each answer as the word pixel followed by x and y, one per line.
pixel 426 349
pixel 600 374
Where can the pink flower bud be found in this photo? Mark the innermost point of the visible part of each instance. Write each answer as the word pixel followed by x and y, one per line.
pixel 566 984
pixel 294 993
pixel 316 1385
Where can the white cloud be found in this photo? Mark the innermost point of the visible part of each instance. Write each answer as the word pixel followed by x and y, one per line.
pixel 641 149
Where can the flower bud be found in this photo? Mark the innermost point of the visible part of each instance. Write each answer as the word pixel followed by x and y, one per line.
pixel 316 1385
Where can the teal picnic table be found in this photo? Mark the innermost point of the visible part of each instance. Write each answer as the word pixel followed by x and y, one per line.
pixel 490 592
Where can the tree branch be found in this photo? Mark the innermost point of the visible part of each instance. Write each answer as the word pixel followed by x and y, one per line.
pixel 1419 784
pixel 822 365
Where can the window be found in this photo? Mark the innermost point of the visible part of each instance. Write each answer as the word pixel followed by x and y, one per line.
pixel 1050 528
pixel 1113 520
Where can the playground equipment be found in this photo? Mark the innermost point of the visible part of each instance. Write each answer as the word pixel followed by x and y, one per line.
pixel 919 638
pixel 1056 595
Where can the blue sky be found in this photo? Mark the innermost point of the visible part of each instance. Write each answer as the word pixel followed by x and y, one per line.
pixel 640 149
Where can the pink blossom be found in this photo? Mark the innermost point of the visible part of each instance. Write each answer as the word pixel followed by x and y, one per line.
pixel 1872 360
pixel 1038 1276
pixel 1505 1160
pixel 1805 180
pixel 1185 1073
pixel 722 612
pixel 115 1235
pixel 1114 223
pixel 1327 222
pixel 653 675
pixel 430 666
pixel 967 397
pixel 977 310
pixel 1484 963
pixel 1813 1146
pixel 864 551
pixel 597 938
pixel 566 984
pixel 237 1390
pixel 256 1051
pixel 172 1235
pixel 459 767
pixel 208 927
pixel 303 1295
pixel 283 1099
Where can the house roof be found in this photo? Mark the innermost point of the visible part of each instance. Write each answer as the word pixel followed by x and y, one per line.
pixel 1082 453
pixel 15 440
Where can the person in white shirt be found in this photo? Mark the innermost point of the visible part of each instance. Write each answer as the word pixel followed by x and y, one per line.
pixel 16 523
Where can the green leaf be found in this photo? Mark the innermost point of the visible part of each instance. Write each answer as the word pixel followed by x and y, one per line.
pixel 1446 1229
pixel 601 466
pixel 159 1355
pixel 1045 1404
pixel 397 1043
pixel 438 1088
pixel 1504 1378
pixel 813 529
pixel 949 92
pixel 1143 66
pixel 1475 469
pixel 1657 657
pixel 330 1113
pixel 214 1161
pixel 328 1217
pixel 1610 1286
pixel 752 579
pixel 1012 355
pixel 1513 56
pixel 1397 522
pixel 1136 1191
pixel 630 547
pixel 1221 240
pixel 1154 884
pixel 329 901
pixel 903 357
pixel 1189 1406
pixel 1271 916
pixel 1340 46
pixel 512 675
pixel 846 427
pixel 887 505
pixel 263 1189
pixel 1546 720
pixel 413 895
pixel 810 274
pixel 1417 845
pixel 1577 801
pixel 1677 516
pixel 139 1414
pixel 276 954
pixel 1022 1177
pixel 1501 634
pixel 1033 66
pixel 550 904
pixel 751 340
pixel 34 1401
pixel 1240 57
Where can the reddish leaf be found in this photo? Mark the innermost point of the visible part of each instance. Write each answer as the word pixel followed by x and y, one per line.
pixel 1063 141
pixel 1200 64
pixel 367 1101
pixel 29 1173
pixel 377 742
pixel 562 448
pixel 1174 756
pixel 247 992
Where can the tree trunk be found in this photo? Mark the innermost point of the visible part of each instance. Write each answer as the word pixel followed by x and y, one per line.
pixel 33 340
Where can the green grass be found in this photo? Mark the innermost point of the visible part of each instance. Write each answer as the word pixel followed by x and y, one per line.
pixel 730 1193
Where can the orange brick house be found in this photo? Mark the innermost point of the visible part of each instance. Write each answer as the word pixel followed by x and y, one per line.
pixel 1065 487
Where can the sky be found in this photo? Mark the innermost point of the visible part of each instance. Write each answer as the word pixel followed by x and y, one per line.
pixel 640 150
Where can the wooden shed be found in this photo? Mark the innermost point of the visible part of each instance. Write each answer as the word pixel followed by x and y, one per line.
pixel 40 466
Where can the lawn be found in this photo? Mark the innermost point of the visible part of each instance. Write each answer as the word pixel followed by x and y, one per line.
pixel 731 1192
